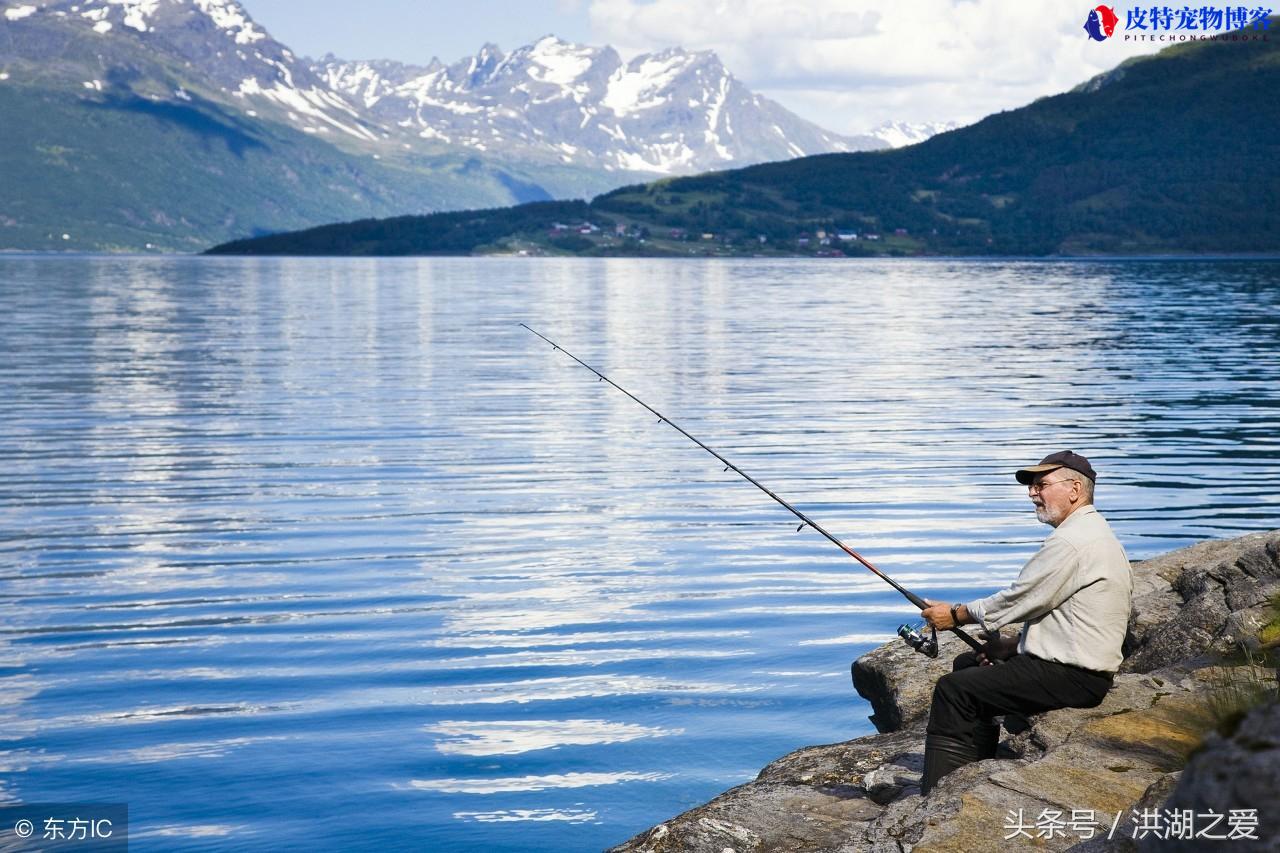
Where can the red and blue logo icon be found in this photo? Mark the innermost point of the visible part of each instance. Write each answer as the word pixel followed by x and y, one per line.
pixel 1101 23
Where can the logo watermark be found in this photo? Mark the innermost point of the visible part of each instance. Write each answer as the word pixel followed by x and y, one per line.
pixel 1165 824
pixel 1101 23
pixel 1185 23
pixel 97 827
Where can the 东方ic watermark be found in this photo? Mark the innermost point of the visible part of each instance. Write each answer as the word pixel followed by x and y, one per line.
pixel 100 827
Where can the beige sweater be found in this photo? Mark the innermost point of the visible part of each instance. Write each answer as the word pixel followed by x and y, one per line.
pixel 1074 596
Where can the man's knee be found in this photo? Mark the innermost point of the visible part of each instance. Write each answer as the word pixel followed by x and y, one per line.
pixel 947 688
pixel 952 711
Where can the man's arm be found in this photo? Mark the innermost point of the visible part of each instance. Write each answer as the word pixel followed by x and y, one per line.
pixel 943 617
pixel 1045 582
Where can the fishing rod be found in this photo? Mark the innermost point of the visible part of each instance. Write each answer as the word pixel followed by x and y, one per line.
pixel 913 638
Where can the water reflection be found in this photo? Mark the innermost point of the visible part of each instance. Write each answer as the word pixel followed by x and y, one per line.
pixel 521 815
pixel 511 737
pixel 531 783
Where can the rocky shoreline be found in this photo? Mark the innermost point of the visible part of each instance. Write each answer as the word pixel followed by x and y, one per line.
pixel 1189 732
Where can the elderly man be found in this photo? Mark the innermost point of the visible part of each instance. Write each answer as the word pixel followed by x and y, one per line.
pixel 1073 598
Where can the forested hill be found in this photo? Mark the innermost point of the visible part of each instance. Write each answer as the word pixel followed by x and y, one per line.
pixel 1175 152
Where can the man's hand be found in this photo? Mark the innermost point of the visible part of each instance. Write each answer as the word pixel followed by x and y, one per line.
pixel 996 648
pixel 939 615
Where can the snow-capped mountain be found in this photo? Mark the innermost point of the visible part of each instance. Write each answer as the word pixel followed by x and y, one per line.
pixel 673 112
pixel 899 134
pixel 215 42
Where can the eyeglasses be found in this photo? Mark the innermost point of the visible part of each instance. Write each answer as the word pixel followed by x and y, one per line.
pixel 1035 488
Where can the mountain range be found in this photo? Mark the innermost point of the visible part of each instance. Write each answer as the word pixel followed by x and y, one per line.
pixel 1170 153
pixel 172 124
pixel 672 112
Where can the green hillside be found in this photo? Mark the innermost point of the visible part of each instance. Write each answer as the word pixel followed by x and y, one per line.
pixel 123 172
pixel 118 172
pixel 1170 153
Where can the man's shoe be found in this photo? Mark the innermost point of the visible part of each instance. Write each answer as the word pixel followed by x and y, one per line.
pixel 943 754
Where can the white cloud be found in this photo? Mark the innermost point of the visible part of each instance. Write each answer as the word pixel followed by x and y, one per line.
pixel 851 64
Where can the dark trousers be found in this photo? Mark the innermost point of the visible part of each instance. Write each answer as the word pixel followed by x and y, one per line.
pixel 965 700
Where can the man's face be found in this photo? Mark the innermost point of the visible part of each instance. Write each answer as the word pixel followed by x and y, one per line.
pixel 1055 495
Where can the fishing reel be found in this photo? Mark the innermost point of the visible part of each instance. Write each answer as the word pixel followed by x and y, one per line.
pixel 927 646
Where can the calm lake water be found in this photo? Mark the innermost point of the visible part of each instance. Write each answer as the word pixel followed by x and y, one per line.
pixel 332 554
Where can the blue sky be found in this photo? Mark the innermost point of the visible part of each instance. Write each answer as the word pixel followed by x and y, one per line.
pixel 414 32
pixel 847 65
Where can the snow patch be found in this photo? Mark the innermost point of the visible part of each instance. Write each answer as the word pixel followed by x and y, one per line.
pixel 4 75
pixel 360 81
pixel 421 87
pixel 713 119
pixel 17 13
pixel 452 106
pixel 102 27
pixel 309 103
pixel 639 86
pixel 96 85
pixel 899 133
pixel 230 18
pixel 136 12
pixel 285 73
pixel 665 158
pixel 432 133
pixel 559 62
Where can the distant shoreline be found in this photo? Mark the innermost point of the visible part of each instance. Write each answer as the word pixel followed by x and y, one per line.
pixel 22 253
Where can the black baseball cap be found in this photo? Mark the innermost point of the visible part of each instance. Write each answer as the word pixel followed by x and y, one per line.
pixel 1061 459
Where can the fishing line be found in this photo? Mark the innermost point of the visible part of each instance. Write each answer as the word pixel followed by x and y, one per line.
pixel 805 521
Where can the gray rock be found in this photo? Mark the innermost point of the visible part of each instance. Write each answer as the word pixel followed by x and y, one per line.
pixel 1184 600
pixel 888 781
pixel 898 681
pixel 1234 772
pixel 1121 841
